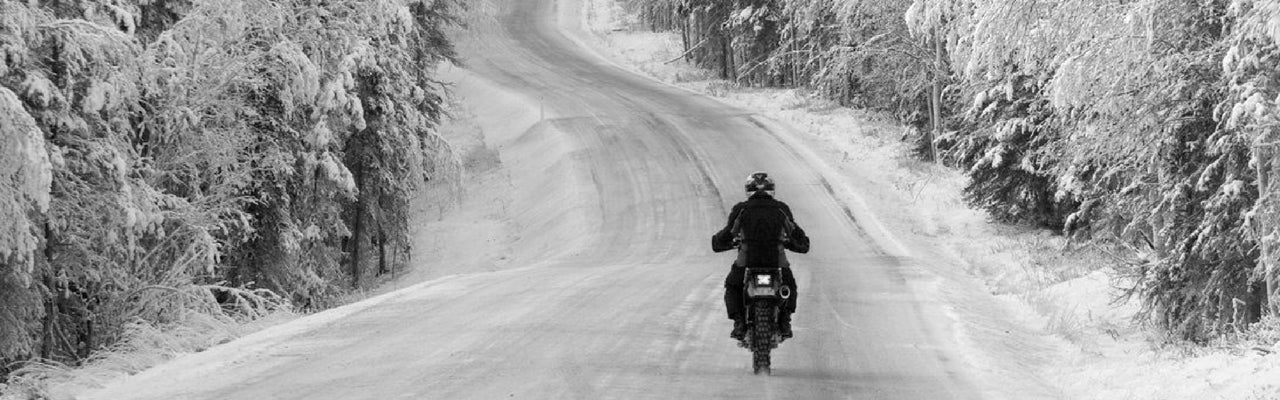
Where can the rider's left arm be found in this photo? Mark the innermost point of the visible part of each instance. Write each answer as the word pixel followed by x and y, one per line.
pixel 723 240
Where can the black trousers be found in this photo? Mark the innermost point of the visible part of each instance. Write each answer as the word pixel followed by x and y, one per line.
pixel 733 289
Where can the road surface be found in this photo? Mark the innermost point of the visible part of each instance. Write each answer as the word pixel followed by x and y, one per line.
pixel 630 307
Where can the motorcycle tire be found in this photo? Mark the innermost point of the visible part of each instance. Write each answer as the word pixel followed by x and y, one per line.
pixel 762 332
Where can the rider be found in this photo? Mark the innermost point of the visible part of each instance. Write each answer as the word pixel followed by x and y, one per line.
pixel 760 205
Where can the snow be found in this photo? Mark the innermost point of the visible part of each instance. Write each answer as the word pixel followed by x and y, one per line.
pixel 479 230
pixel 337 173
pixel 244 348
pixel 1065 327
pixel 25 177
pixel 96 98
pixel 471 232
pixel 1072 332
pixel 39 90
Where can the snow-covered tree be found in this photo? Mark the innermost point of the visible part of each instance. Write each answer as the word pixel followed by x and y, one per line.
pixel 707 42
pixel 25 176
pixel 152 149
pixel 1251 108
pixel 401 107
pixel 755 30
pixel 1129 92
pixel 1008 144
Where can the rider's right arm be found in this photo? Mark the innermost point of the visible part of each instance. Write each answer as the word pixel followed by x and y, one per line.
pixel 797 241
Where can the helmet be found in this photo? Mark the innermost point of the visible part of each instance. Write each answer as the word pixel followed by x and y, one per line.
pixel 758 181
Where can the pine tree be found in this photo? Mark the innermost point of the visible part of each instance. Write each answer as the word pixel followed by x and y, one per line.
pixel 1008 147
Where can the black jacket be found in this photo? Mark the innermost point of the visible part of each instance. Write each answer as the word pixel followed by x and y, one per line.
pixel 797 241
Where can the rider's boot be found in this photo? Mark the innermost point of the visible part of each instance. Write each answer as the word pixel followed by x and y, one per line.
pixel 784 324
pixel 739 328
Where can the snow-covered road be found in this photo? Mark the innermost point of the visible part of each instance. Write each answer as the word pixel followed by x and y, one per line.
pixel 618 186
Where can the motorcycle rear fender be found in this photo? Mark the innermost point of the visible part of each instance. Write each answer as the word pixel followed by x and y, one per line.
pixel 763 283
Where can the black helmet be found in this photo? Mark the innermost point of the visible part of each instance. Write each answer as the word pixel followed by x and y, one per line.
pixel 758 181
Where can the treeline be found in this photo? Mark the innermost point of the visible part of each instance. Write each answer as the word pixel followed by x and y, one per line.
pixel 159 158
pixel 1147 126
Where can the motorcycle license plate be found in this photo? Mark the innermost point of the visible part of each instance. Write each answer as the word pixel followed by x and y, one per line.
pixel 764 280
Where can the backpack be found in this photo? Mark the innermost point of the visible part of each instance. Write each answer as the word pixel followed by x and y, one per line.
pixel 762 229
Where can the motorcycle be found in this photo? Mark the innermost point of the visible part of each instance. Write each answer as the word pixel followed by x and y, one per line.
pixel 764 295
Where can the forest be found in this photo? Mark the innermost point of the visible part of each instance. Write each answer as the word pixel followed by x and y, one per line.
pixel 1146 128
pixel 166 158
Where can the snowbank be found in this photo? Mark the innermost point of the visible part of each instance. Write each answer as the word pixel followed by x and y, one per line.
pixel 513 150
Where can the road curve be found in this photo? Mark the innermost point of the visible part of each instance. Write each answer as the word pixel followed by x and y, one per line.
pixel 632 308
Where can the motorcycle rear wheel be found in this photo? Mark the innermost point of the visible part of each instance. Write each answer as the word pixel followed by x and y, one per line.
pixel 762 332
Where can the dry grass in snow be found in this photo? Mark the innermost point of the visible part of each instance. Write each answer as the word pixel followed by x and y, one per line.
pixel 145 345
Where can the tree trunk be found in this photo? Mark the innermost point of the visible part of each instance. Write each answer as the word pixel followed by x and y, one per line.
pixel 724 56
pixel 845 93
pixel 684 36
pixel 89 338
pixel 1272 274
pixel 1159 221
pixel 794 60
pixel 382 252
pixel 935 98
pixel 50 317
pixel 50 311
pixel 1263 161
pixel 695 36
pixel 357 226
pixel 651 17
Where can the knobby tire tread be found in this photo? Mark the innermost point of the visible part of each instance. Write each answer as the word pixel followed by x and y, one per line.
pixel 762 339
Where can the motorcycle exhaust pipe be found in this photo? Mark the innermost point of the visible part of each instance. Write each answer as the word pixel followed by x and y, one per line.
pixel 785 292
